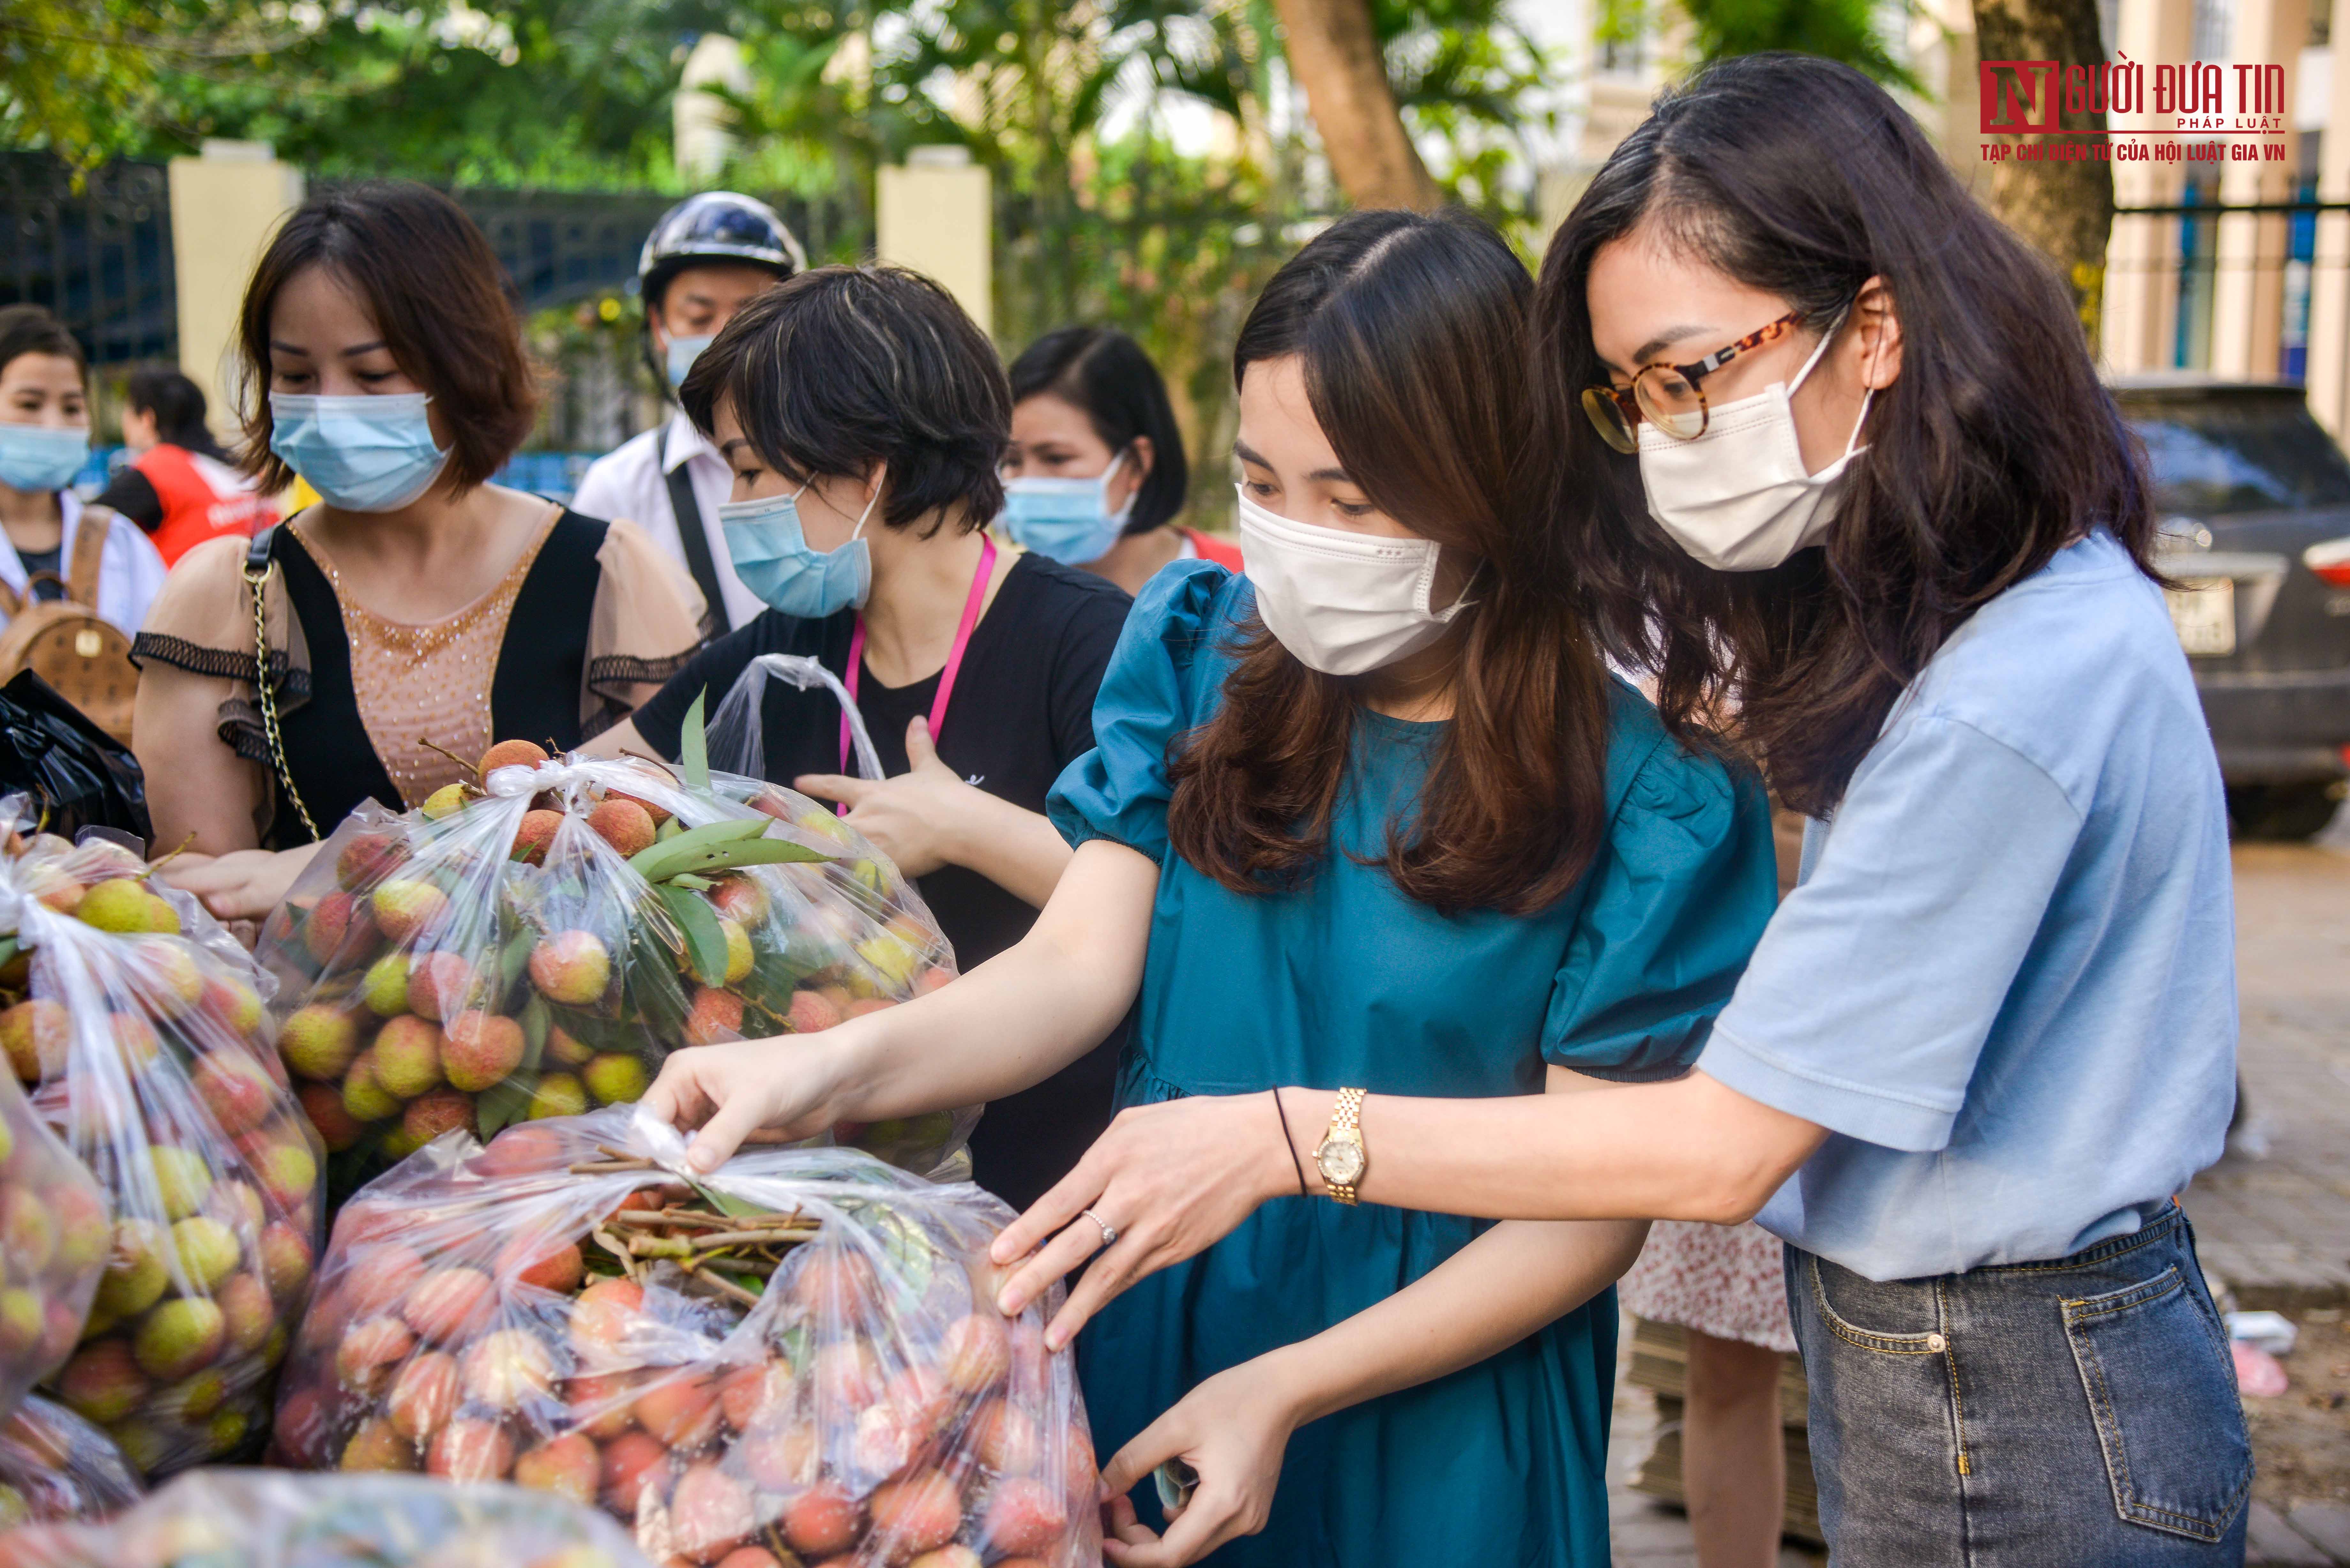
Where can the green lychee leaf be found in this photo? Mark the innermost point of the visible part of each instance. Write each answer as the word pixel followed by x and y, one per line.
pixel 705 940
pixel 534 1020
pixel 513 957
pixel 726 1203
pixel 682 879
pixel 693 748
pixel 502 1104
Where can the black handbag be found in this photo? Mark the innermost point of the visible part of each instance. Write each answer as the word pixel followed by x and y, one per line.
pixel 76 773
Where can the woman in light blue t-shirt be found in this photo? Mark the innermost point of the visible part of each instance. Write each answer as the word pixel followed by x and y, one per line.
pixel 1864 482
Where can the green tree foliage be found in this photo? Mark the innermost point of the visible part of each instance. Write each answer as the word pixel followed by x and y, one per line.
pixel 1846 30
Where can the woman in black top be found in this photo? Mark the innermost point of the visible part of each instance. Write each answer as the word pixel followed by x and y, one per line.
pixel 417 609
pixel 865 416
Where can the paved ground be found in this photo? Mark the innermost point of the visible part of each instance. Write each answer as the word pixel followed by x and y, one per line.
pixel 2272 1219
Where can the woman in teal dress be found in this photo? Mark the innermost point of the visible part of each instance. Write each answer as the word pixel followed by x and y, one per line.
pixel 1373 816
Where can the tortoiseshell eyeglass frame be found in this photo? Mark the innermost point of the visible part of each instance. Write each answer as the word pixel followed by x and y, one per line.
pixel 1615 411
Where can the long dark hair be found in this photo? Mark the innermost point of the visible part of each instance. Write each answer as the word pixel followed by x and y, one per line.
pixel 1995 447
pixel 1412 333
pixel 1105 375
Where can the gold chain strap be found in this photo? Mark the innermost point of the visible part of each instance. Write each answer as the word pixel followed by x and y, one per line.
pixel 263 685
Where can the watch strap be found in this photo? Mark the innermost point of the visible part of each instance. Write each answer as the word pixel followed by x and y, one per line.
pixel 1346 1126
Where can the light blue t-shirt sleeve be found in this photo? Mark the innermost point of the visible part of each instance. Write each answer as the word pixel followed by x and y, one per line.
pixel 1119 790
pixel 1871 996
pixel 1683 889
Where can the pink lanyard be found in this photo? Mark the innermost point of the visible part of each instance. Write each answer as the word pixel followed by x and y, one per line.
pixel 971 607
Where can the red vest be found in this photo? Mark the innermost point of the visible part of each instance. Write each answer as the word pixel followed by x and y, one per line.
pixel 202 500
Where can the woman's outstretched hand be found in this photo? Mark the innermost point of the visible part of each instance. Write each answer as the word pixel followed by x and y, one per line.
pixel 1172 1179
pixel 914 818
pixel 1233 1430
pixel 241 885
pixel 745 1092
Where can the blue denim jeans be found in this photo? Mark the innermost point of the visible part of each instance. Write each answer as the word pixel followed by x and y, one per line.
pixel 2077 1412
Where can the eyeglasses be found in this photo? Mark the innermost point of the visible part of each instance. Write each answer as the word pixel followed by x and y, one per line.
pixel 1668 396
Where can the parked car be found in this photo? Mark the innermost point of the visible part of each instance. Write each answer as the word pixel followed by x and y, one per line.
pixel 2254 502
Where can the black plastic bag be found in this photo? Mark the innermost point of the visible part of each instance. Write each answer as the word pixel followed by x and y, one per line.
pixel 77 774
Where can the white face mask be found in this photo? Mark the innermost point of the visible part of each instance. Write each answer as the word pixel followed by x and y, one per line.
pixel 1341 603
pixel 1738 498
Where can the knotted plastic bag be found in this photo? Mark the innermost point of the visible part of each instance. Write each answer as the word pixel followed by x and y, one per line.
pixel 542 947
pixel 145 1025
pixel 263 1519
pixel 799 1352
pixel 56 1467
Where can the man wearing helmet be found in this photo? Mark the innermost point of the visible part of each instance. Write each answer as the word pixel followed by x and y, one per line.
pixel 704 258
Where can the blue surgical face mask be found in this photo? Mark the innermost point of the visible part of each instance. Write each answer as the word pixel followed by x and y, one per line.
pixel 775 560
pixel 1069 520
pixel 359 453
pixel 42 457
pixel 682 354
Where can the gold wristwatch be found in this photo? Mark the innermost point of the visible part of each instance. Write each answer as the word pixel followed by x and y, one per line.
pixel 1341 1155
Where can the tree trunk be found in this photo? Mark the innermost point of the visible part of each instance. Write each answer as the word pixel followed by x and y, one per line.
pixel 2063 208
pixel 1335 57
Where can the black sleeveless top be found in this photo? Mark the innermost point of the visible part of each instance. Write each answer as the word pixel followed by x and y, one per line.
pixel 535 692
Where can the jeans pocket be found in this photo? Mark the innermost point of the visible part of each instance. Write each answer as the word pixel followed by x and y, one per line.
pixel 2162 1390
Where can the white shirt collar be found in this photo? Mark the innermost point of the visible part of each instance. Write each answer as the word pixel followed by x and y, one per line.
pixel 680 442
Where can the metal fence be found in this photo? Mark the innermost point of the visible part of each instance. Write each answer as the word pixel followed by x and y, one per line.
pixel 98 256
pixel 2257 292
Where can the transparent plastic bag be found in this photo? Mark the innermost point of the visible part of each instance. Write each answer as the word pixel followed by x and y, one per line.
pixel 800 1353
pixel 738 741
pixel 55 1467
pixel 54 1235
pixel 265 1518
pixel 542 946
pixel 147 1025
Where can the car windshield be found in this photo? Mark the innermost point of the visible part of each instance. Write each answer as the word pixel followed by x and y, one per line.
pixel 2239 454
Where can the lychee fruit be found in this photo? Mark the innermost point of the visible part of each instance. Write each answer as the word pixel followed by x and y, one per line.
pixel 338 924
pixel 480 1049
pixel 715 1015
pixel 615 1077
pixel 407 908
pixel 449 1304
pixel 318 1042
pixel 366 1355
pixel 781 1459
pixel 568 1466
pixel 823 1520
pixel 739 956
pixel 406 1053
pixel 557 1095
pixel 230 1002
pixel 288 1172
pixel 710 1511
pixel 28 1231
pixel 571 968
pixel 34 1034
pixel 124 904
pixel 138 1269
pixel 749 1557
pixel 1024 1516
pixel 470 1450
pixel 206 1252
pixel 566 1049
pixel 179 1337
pixel 164 971
pixel 368 859
pixel 237 1089
pixel 364 1100
pixel 544 1263
pixel 978 1352
pixel 429 1116
pixel 631 1460
pixel 285 1259
pixel 511 755
pixel 811 1010
pixel 376 1446
pixel 380 1274
pixel 323 1104
pixel 605 1314
pixel 507 1368
pixel 1005 1439
pixel 682 1412
pixel 22 1323
pixel 135 1040
pixel 918 1514
pixel 953 1554
pixel 533 836
pixel 740 899
pixel 440 983
pixel 623 824
pixel 181 1179
pixel 84 1236
pixel 746 1393
pixel 384 987
pixel 520 1151
pixel 103 1381
pixel 424 1396
pixel 445 802
pixel 601 1406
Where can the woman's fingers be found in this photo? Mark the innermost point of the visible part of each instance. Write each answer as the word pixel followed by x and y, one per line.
pixel 835 787
pixel 1064 1252
pixel 1117 1268
pixel 1149 1449
pixel 921 752
pixel 1067 1197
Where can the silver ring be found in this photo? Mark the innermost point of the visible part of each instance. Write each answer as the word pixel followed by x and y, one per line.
pixel 1109 1232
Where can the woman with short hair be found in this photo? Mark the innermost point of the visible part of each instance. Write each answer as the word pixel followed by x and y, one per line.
pixel 1096 474
pixel 179 486
pixel 419 610
pixel 864 415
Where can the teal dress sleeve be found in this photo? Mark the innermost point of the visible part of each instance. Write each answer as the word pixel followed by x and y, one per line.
pixel 1685 885
pixel 1167 669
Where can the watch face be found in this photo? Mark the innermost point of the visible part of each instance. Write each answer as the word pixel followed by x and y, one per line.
pixel 1341 1163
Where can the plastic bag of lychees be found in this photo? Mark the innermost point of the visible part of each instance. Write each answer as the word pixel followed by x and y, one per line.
pixel 53 1237
pixel 797 1358
pixel 535 944
pixel 55 1467
pixel 268 1518
pixel 145 1025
